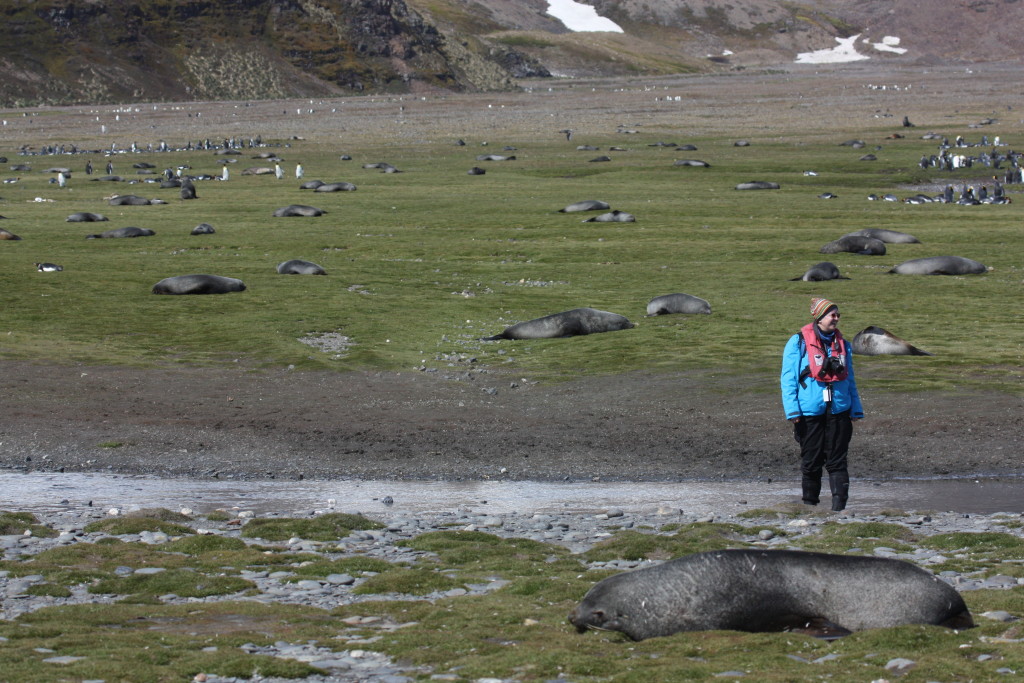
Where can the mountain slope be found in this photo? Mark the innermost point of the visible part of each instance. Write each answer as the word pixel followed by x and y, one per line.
pixel 65 51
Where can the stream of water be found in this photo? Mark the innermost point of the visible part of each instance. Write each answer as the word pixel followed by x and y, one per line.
pixel 49 491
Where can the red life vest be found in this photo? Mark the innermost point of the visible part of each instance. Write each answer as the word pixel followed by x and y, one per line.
pixel 816 354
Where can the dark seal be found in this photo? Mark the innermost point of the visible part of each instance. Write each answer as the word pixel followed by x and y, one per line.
pixel 298 210
pixel 855 244
pixel 613 216
pixel 578 321
pixel 819 272
pixel 85 217
pixel 769 590
pixel 130 231
pixel 198 284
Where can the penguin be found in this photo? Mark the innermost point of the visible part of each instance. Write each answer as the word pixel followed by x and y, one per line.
pixel 278 171
pixel 299 172
pixel 88 167
pixel 62 180
pixel 224 172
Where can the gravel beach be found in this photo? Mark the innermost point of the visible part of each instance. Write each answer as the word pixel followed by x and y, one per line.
pixel 347 661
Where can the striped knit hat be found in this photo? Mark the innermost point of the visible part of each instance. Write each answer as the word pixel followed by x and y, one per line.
pixel 819 307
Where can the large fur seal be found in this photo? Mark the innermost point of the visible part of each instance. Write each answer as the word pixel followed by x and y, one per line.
pixel 887 236
pixel 677 303
pixel 769 590
pixel 129 231
pixel 300 267
pixel 586 205
pixel 298 210
pixel 874 341
pixel 198 284
pixel 940 265
pixel 577 321
pixel 819 272
pixel 856 244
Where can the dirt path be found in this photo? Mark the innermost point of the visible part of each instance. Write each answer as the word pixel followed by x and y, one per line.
pixel 201 422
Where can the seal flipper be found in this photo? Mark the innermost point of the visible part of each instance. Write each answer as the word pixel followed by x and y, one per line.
pixel 959 621
pixel 818 627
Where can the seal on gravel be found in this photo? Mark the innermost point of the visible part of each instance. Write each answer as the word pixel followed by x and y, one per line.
pixel 887 236
pixel 940 265
pixel 298 210
pixel 198 284
pixel 769 590
pixel 819 272
pixel 677 303
pixel 855 244
pixel 129 231
pixel 578 321
pixel 874 341
pixel 300 267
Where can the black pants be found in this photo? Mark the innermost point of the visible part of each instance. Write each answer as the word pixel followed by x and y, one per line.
pixel 824 443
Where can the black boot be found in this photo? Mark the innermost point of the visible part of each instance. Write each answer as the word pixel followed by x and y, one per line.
pixel 839 482
pixel 811 490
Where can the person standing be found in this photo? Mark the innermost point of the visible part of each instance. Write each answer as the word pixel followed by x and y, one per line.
pixel 819 395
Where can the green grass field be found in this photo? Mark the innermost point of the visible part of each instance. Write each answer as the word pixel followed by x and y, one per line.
pixel 424 262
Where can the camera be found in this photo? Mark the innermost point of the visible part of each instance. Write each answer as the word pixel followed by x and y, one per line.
pixel 833 366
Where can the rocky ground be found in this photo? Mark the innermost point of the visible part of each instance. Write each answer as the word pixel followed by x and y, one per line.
pixel 349 662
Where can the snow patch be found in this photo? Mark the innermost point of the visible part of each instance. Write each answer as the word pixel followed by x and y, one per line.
pixel 846 51
pixel 579 17
pixel 887 44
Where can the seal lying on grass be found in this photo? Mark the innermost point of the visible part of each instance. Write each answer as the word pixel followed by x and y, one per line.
pixel 819 272
pixel 769 590
pixel 874 341
pixel 198 284
pixel 940 265
pixel 572 323
pixel 677 303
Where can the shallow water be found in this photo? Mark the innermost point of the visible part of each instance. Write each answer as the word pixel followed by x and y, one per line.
pixel 49 491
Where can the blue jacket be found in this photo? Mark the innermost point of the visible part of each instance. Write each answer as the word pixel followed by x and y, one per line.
pixel 808 400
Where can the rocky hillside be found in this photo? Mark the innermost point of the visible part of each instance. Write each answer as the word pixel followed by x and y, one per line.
pixel 80 51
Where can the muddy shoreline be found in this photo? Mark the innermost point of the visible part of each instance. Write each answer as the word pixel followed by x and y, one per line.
pixel 281 424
